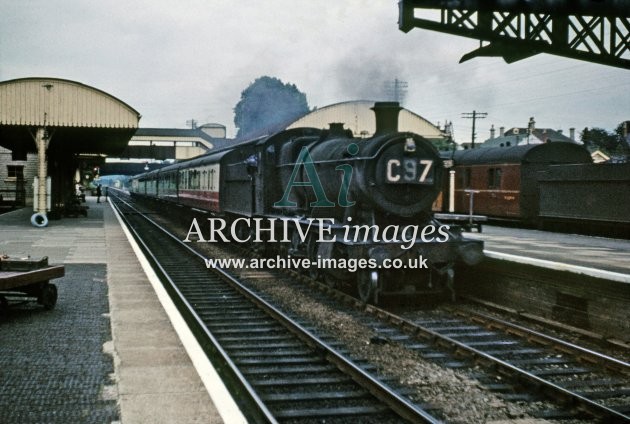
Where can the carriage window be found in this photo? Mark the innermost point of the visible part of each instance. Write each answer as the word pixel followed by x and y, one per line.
pixel 466 178
pixel 195 179
pixel 185 179
pixel 494 178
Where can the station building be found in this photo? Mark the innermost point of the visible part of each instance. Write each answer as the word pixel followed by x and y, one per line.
pixel 13 177
pixel 174 143
pixel 150 148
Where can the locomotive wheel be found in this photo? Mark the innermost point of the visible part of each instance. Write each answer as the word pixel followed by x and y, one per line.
pixel 48 296
pixel 367 286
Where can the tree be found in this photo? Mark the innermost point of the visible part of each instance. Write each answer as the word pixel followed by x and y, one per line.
pixel 599 138
pixel 266 103
pixel 623 134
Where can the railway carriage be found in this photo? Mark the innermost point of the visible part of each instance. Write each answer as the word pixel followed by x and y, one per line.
pixel 594 197
pixel 504 180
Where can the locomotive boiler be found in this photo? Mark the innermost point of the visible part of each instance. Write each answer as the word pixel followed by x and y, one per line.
pixel 357 212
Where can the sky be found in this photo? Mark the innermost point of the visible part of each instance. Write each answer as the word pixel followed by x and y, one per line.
pixel 191 59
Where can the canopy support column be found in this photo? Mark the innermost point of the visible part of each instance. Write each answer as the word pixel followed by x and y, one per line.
pixel 41 204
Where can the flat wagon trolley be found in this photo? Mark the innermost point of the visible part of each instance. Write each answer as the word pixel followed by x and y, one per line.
pixel 26 277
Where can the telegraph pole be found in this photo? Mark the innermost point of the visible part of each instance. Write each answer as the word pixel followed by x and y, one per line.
pixel 474 115
pixel 192 123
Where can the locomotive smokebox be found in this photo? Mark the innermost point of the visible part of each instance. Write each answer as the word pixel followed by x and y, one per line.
pixel 386 117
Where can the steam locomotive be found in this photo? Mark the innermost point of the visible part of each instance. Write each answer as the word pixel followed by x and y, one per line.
pixel 354 212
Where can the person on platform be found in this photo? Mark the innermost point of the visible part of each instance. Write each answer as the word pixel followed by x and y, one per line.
pixel 78 191
pixel 98 193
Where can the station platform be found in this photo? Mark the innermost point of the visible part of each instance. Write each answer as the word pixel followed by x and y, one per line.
pixel 601 257
pixel 108 352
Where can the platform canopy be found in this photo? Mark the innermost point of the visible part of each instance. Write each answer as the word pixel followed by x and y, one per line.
pixel 78 118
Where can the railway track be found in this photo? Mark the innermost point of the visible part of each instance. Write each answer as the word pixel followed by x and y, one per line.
pixel 531 366
pixel 278 370
pixel 515 363
pixel 584 381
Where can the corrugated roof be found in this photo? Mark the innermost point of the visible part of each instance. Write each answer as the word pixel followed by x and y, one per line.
pixel 56 102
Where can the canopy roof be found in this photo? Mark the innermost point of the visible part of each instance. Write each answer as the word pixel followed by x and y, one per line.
pixel 79 118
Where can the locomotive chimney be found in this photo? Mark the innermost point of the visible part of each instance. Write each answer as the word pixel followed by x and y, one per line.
pixel 501 131
pixel 386 117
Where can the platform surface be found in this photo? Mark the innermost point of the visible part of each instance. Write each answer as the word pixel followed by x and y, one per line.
pixel 606 254
pixel 142 372
pixel 52 365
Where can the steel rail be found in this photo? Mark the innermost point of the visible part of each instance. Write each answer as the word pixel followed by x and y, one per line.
pixel 587 355
pixel 593 408
pixel 571 398
pixel 582 333
pixel 232 376
pixel 589 406
pixel 393 400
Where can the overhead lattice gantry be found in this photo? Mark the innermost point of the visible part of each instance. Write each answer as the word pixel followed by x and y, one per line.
pixel 589 30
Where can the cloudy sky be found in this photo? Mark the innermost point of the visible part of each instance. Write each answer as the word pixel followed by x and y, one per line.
pixel 191 59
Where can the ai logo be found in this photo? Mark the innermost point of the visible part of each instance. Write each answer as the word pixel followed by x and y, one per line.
pixel 304 159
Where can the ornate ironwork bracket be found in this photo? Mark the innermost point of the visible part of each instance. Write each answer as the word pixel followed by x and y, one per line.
pixel 593 31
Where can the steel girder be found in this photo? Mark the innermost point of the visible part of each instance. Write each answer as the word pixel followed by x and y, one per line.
pixel 594 31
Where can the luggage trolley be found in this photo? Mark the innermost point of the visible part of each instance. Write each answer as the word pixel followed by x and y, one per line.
pixel 28 277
